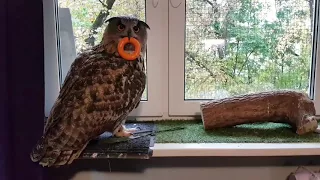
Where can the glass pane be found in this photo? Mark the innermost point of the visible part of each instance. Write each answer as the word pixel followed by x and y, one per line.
pixel 81 25
pixel 241 46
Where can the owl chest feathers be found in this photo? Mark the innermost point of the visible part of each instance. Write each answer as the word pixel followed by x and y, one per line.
pixel 100 89
pixel 113 83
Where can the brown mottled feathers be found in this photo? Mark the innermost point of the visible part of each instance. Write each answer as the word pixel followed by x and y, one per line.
pixel 100 90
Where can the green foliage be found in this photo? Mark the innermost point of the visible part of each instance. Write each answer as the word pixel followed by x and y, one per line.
pixel 261 52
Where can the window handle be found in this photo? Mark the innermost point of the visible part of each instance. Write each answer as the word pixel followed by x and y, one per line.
pixel 155 4
pixel 173 5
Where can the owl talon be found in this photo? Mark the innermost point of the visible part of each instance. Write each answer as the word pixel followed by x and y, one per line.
pixel 124 132
pixel 131 130
pixel 96 138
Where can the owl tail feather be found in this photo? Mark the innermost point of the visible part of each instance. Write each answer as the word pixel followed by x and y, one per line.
pixel 48 156
pixel 39 150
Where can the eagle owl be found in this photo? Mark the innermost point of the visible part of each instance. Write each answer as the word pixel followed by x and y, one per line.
pixel 100 90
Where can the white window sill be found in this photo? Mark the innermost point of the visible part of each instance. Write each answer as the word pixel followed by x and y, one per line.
pixel 234 149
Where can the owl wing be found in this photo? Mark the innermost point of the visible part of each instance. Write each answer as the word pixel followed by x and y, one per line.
pixel 55 134
pixel 43 152
pixel 143 69
pixel 69 82
pixel 71 79
pixel 90 100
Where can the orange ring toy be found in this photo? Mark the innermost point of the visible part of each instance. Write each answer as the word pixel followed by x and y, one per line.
pixel 127 56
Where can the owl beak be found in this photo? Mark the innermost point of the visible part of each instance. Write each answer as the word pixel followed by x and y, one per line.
pixel 129 34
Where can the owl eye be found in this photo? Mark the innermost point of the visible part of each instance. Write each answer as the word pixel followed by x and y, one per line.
pixel 121 27
pixel 136 29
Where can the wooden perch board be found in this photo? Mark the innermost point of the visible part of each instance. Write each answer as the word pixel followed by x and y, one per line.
pixel 291 107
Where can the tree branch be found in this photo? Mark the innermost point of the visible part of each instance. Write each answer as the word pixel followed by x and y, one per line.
pixel 98 22
pixel 235 64
pixel 311 13
pixel 193 58
pixel 210 3
pixel 247 59
pixel 103 4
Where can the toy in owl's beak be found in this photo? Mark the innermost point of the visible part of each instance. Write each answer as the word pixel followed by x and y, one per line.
pixel 129 48
pixel 132 42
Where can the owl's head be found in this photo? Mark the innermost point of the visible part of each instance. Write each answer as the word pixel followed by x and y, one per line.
pixel 126 26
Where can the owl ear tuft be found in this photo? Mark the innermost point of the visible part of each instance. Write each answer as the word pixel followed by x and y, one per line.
pixel 111 19
pixel 144 24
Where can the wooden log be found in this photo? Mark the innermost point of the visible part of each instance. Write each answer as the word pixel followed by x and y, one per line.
pixel 291 107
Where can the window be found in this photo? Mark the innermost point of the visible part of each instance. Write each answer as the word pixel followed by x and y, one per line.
pixel 197 49
pixel 220 48
pixel 73 26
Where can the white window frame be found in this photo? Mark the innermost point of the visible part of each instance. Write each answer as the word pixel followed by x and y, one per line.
pixel 166 84
pixel 156 48
pixel 51 68
pixel 316 53
pixel 178 106
pixel 165 56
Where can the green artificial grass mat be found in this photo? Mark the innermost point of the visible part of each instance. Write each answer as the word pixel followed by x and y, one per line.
pixel 246 133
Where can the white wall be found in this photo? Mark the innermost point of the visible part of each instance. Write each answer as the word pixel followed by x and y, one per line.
pixel 206 173
pixel 201 168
